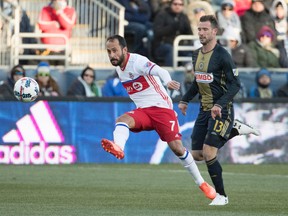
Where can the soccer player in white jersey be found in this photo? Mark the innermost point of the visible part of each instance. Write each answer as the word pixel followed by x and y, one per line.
pixel 142 80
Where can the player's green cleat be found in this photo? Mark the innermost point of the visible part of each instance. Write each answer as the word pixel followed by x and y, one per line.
pixel 112 148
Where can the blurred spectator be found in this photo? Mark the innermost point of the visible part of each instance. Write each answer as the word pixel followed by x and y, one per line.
pixel 242 93
pixel 241 54
pixel 47 84
pixel 189 76
pixel 6 87
pixel 196 9
pixel 85 84
pixel 283 90
pixel 158 5
pixel 263 85
pixel 227 17
pixel 113 87
pixel 241 6
pixel 168 24
pixel 278 12
pixel 254 19
pixel 8 10
pixel 265 53
pixel 138 14
pixel 57 18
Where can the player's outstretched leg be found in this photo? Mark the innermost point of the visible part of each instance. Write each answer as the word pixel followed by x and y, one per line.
pixel 189 163
pixel 208 190
pixel 112 148
pixel 244 129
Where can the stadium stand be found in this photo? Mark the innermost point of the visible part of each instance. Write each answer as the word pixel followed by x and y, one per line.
pixel 96 19
pixel 66 77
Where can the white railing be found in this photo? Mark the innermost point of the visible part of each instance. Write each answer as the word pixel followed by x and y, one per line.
pixel 96 20
pixel 7 29
pixel 178 46
pixel 17 48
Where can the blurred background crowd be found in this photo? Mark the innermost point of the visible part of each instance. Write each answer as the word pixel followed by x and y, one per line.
pixel 61 35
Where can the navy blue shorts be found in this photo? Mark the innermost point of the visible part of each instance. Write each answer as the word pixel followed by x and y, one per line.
pixel 212 132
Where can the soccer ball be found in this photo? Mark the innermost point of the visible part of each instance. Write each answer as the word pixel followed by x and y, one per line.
pixel 26 89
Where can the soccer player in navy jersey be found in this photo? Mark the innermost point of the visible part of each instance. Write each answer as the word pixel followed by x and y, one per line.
pixel 216 81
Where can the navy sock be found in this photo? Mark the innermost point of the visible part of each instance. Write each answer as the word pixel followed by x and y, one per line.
pixel 234 132
pixel 215 172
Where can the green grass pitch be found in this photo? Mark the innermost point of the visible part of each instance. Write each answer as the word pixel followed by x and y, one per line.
pixel 139 190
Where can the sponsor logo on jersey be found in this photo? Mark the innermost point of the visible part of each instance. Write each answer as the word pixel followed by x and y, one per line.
pixel 202 77
pixel 136 85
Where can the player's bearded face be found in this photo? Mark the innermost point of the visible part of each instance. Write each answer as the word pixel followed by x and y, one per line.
pixel 115 53
pixel 206 36
pixel 117 61
pixel 205 33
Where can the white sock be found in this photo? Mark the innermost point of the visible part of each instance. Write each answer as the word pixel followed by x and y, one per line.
pixel 121 134
pixel 189 163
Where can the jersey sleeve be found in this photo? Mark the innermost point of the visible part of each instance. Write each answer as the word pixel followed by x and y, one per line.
pixel 232 80
pixel 150 68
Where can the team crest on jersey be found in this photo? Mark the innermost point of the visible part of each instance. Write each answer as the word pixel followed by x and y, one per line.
pixel 137 86
pixel 131 75
pixel 202 77
pixel 201 65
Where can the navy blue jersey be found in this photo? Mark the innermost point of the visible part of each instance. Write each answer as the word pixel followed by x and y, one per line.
pixel 216 78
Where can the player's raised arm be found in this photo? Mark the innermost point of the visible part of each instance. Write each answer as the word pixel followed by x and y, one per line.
pixel 165 77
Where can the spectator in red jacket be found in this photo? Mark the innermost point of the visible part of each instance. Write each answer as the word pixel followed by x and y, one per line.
pixel 58 18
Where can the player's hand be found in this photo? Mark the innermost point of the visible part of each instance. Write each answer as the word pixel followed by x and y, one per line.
pixel 183 107
pixel 173 85
pixel 215 111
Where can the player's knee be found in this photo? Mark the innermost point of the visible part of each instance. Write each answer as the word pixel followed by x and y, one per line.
pixel 126 119
pixel 177 147
pixel 209 152
pixel 208 155
pixel 197 155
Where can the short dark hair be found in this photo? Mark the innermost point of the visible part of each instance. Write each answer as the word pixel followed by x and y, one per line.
pixel 210 18
pixel 88 68
pixel 172 1
pixel 16 69
pixel 121 40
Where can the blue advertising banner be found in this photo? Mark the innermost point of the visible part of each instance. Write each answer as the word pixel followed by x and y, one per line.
pixel 70 132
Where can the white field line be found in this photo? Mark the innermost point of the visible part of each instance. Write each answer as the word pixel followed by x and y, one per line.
pixel 182 171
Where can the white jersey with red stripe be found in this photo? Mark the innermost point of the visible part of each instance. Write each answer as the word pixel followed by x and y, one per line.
pixel 141 78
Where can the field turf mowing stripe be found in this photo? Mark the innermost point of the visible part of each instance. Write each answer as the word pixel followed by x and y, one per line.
pixel 253 190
